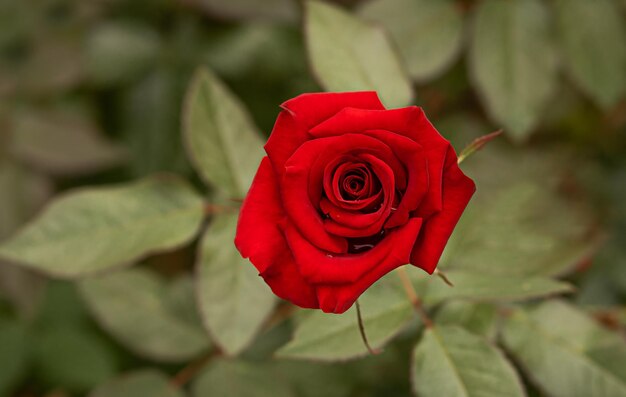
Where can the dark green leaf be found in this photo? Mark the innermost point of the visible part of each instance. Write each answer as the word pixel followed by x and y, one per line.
pixel 143 383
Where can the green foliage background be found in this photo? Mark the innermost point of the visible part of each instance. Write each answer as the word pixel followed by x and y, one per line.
pixel 130 128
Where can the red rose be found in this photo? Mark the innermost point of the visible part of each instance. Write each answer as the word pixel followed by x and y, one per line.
pixel 348 192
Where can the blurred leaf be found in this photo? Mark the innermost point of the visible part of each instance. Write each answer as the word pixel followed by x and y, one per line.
pixel 14 354
pixel 22 192
pixel 522 225
pixel 222 140
pixel 478 286
pixel 312 379
pixel 348 54
pixel 61 306
pixel 566 353
pixel 142 383
pixel 239 379
pixel 150 112
pixel 62 143
pixel 274 10
pixel 451 362
pixel 461 128
pixel 135 306
pixel 73 358
pixel 592 36
pixel 234 300
pixel 118 52
pixel 331 337
pixel 478 318
pixel 429 34
pixel 513 63
pixel 106 227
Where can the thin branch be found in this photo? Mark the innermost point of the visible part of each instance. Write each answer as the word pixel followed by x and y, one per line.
pixel 413 298
pixel 362 331
pixel 192 369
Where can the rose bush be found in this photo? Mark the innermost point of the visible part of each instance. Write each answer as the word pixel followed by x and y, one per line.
pixel 348 192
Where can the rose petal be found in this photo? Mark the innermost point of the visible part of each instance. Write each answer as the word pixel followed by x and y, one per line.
pixel 349 223
pixel 320 267
pixel 304 112
pixel 339 297
pixel 286 282
pixel 416 163
pixel 457 192
pixel 305 168
pixel 410 122
pixel 260 214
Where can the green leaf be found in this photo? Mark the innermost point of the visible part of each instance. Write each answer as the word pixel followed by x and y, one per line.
pixel 429 34
pixel 348 54
pixel 592 35
pixel 521 226
pixel 73 358
pixel 478 318
pixel 143 383
pixel 512 62
pixel 330 337
pixel 239 379
pixel 486 287
pixel 222 141
pixel 62 143
pixel 14 354
pixel 133 48
pixel 234 300
pixel 107 227
pixel 154 325
pixel 452 362
pixel 566 353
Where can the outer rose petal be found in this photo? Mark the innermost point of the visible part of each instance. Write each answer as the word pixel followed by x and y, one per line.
pixel 458 189
pixel 411 122
pixel 304 112
pixel 258 235
pixel 338 298
pixel 321 268
pixel 287 282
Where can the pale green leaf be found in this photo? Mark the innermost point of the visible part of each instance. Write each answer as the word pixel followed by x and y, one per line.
pixel 94 229
pixel 348 54
pixel 330 337
pixel 512 62
pixel 487 287
pixel 222 141
pixel 14 354
pixel 452 362
pixel 479 318
pixel 429 34
pixel 521 226
pixel 233 299
pixel 139 309
pixel 566 353
pixel 592 36
pixel 73 357
pixel 143 383
pixel 239 379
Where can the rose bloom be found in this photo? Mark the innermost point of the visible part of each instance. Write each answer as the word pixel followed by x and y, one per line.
pixel 348 192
